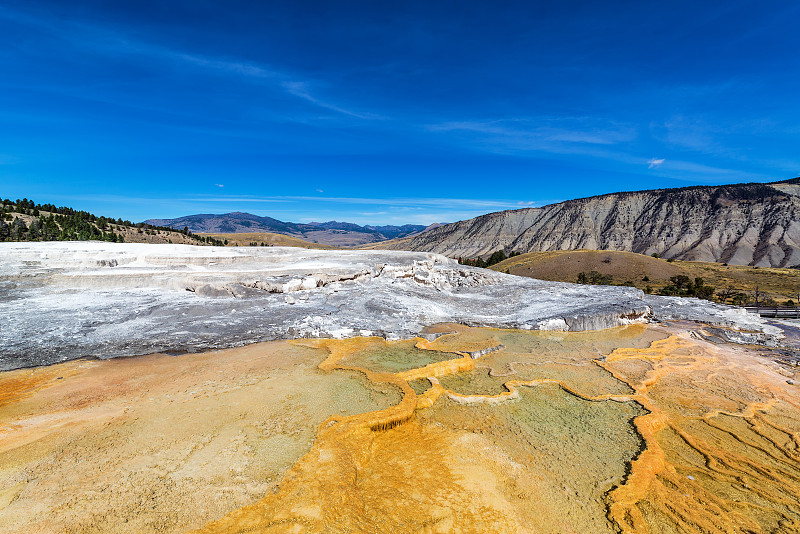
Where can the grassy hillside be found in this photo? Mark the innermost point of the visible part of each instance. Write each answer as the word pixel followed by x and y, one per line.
pixel 642 271
pixel 398 243
pixel 265 239
pixel 25 220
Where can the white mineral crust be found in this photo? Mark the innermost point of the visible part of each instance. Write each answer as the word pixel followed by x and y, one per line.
pixel 64 300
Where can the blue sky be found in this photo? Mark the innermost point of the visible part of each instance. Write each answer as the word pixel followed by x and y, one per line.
pixel 389 112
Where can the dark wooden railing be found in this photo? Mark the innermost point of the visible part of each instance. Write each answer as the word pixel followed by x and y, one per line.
pixel 777 313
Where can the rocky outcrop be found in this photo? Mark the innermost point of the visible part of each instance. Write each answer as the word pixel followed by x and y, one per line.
pixel 745 224
pixel 475 354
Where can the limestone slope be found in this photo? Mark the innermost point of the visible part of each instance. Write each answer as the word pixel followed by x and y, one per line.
pixel 744 224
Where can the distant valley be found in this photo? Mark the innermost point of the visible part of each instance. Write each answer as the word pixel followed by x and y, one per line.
pixel 332 233
pixel 744 224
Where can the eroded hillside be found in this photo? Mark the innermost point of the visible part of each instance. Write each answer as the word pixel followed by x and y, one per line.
pixel 744 224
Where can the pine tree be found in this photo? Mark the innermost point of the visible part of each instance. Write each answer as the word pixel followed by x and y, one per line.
pixel 34 232
pixel 4 231
pixel 18 229
pixel 496 257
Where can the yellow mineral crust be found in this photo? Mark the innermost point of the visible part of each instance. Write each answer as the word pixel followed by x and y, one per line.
pixel 162 443
pixel 23 383
pixel 576 436
pixel 707 478
pixel 359 478
pixel 386 471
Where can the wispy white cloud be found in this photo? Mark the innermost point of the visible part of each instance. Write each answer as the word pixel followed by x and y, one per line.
pixel 424 218
pixel 703 170
pixel 220 185
pixel 607 137
pixel 455 203
pixel 598 143
pixel 103 41
pixel 351 209
pixel 301 90
pixel 788 166
pixel 542 134
pixel 730 140
pixel 232 198
pixel 232 66
pixel 286 81
pixel 249 70
pixel 690 171
pixel 687 132
pixel 490 127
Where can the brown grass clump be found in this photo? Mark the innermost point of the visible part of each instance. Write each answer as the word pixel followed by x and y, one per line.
pixel 267 239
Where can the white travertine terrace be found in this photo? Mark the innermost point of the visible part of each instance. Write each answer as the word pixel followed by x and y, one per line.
pixel 64 300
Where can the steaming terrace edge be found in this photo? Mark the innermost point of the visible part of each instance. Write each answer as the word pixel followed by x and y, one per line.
pixel 66 300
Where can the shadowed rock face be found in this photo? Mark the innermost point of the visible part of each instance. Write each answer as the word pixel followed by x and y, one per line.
pixel 745 224
pixel 66 300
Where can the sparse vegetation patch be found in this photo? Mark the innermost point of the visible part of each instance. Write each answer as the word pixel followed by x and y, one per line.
pixel 737 285
pixel 494 258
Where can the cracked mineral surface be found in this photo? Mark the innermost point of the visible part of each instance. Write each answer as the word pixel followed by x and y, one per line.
pixel 634 429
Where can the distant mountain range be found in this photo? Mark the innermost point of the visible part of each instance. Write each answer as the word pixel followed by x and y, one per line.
pixel 742 224
pixel 328 233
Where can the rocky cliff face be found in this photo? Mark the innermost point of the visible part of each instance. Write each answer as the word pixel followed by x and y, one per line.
pixel 744 224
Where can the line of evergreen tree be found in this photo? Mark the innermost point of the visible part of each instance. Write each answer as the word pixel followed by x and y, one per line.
pixel 53 223
pixel 595 278
pixel 494 258
pixel 683 286
pixel 55 228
